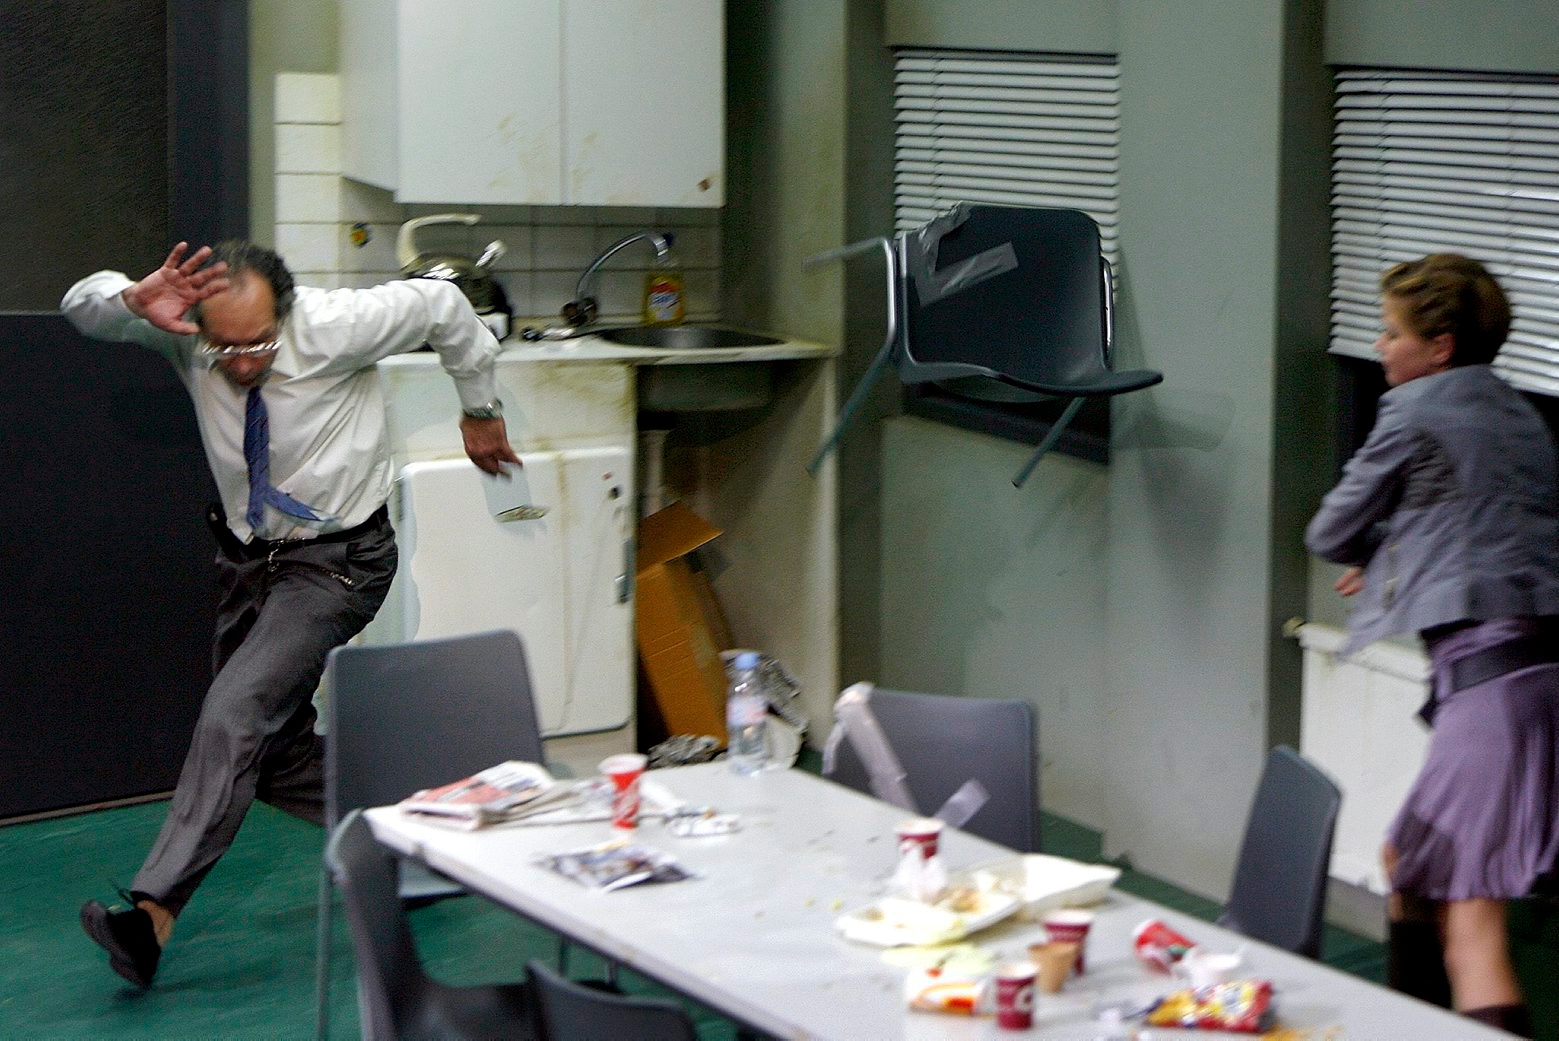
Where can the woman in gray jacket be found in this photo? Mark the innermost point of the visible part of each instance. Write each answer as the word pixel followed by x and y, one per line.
pixel 1449 519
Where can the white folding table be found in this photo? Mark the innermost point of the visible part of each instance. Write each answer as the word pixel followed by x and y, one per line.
pixel 754 935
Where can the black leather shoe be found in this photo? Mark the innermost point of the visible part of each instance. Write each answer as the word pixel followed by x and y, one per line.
pixel 127 936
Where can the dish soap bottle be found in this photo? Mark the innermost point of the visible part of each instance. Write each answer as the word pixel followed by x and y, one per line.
pixel 664 294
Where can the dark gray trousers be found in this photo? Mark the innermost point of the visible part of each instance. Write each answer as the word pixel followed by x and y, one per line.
pixel 280 615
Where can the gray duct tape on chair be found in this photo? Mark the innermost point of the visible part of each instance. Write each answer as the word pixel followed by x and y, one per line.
pixel 920 249
pixel 854 719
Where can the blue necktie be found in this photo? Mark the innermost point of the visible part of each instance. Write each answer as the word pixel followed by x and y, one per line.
pixel 257 453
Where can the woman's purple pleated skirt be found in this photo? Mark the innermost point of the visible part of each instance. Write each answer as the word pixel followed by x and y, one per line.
pixel 1482 819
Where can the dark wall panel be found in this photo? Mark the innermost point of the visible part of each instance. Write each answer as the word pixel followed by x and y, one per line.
pixel 83 143
pixel 107 590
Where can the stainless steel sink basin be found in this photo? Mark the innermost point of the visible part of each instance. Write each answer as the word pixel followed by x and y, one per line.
pixel 685 337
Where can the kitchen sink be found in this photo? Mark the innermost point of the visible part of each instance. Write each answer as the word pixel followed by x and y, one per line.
pixel 685 337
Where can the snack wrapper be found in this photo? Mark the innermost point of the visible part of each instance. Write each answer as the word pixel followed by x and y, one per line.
pixel 614 865
pixel 1241 1006
pixel 937 990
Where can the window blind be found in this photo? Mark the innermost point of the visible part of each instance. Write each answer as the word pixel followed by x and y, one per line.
pixel 1428 162
pixel 1007 130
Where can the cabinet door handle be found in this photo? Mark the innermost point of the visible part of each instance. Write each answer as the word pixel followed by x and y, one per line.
pixel 625 580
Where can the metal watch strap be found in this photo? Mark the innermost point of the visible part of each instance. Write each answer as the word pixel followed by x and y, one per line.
pixel 492 410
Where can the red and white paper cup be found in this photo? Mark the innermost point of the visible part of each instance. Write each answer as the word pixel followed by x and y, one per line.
pixel 1015 996
pixel 1069 925
pixel 920 834
pixel 624 772
pixel 1159 946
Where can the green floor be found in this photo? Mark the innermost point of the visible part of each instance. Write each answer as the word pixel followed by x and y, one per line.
pixel 242 962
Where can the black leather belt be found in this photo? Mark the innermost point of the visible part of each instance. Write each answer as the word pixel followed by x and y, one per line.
pixel 1491 662
pixel 257 548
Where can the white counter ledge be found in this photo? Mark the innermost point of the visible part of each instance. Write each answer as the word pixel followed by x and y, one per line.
pixel 594 348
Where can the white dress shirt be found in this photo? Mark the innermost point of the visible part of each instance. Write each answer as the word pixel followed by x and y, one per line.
pixel 329 441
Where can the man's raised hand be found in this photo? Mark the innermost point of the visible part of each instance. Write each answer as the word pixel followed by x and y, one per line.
pixel 165 296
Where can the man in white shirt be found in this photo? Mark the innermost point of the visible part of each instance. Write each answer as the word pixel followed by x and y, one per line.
pixel 292 417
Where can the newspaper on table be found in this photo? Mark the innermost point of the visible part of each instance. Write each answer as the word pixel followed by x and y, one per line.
pixel 504 792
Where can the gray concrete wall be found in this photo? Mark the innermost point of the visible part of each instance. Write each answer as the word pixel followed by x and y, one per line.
pixel 1139 604
pixel 1072 26
pixel 1502 35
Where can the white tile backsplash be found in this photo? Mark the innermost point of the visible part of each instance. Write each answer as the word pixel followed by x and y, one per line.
pixel 308 198
pixel 377 254
pixel 552 290
pixel 518 237
pixel 309 247
pixel 369 204
pixel 548 246
pixel 308 97
pixel 308 148
pixel 564 247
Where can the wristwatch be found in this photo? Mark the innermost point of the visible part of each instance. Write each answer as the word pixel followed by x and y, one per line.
pixel 492 410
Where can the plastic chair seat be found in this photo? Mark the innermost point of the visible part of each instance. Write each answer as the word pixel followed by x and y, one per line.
pixel 942 741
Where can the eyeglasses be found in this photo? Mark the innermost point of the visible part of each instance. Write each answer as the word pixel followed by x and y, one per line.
pixel 234 350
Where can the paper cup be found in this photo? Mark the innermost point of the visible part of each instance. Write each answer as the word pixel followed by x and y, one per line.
pixel 1069 926
pixel 1055 962
pixel 624 772
pixel 1209 968
pixel 1015 996
pixel 922 834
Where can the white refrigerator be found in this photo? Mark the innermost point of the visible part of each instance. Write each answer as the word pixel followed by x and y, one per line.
pixel 547 552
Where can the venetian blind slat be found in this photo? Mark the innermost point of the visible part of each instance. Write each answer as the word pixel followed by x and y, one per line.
pixel 1426 162
pixel 1008 130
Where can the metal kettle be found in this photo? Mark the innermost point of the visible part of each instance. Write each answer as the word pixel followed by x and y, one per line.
pixel 471 277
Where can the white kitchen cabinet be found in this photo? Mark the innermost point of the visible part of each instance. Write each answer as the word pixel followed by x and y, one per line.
pixel 544 102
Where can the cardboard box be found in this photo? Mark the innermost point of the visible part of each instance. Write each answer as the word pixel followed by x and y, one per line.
pixel 678 626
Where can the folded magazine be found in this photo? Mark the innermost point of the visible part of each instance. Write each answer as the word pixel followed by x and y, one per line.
pixel 503 792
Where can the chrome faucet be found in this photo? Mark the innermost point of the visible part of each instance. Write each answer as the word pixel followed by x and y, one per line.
pixel 582 310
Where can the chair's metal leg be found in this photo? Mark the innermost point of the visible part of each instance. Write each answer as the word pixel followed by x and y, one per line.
pixel 892 274
pixel 562 955
pixel 611 972
pixel 322 957
pixel 851 407
pixel 1051 437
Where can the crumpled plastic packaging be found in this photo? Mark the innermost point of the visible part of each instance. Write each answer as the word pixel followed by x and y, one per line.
pixel 1242 1006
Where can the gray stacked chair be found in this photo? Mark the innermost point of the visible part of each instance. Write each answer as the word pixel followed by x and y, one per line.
pixel 397 999
pixel 408 716
pixel 943 741
pixel 570 1011
pixel 1279 891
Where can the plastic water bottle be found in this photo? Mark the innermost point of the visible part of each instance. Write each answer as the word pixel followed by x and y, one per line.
pixel 746 716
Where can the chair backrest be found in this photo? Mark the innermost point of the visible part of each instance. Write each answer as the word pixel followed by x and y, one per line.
pixel 569 1011
pixel 1279 891
pixel 391 980
pixel 1041 326
pixel 408 716
pixel 943 741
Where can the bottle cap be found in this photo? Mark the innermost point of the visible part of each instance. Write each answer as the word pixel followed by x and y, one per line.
pixel 747 660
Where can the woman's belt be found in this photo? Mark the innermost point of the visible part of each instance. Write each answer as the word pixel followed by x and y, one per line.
pixel 1492 663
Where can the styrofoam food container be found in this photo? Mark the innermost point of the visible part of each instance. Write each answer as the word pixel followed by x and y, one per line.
pixel 1044 883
